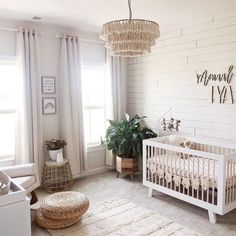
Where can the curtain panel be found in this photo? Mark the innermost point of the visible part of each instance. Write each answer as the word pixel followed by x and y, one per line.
pixel 71 106
pixel 116 95
pixel 29 144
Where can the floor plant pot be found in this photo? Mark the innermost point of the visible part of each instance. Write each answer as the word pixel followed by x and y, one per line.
pixel 126 165
pixel 53 154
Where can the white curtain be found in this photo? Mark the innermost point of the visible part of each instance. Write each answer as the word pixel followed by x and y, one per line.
pixel 70 104
pixel 29 145
pixel 116 95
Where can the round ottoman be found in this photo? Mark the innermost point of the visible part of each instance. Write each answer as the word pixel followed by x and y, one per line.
pixel 61 210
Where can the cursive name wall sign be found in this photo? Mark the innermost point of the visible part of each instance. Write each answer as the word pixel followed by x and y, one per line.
pixel 221 92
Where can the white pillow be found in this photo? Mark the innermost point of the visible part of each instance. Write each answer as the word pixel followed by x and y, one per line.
pixel 175 140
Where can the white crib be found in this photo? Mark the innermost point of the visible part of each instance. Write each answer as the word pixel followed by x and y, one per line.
pixel 204 176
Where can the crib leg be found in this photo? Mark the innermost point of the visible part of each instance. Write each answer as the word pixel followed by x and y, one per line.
pixel 212 217
pixel 150 191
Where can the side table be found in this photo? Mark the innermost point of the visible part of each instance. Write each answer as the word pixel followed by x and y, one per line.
pixel 57 176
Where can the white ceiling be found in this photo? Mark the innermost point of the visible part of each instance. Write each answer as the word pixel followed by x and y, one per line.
pixel 91 14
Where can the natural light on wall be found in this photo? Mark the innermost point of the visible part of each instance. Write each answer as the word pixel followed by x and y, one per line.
pixel 8 91
pixel 93 79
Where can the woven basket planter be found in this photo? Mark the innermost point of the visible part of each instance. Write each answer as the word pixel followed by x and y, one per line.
pixel 126 165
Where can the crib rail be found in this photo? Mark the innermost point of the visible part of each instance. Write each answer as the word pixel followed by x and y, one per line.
pixel 213 148
pixel 230 185
pixel 205 175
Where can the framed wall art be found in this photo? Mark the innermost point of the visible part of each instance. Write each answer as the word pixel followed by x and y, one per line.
pixel 48 84
pixel 49 105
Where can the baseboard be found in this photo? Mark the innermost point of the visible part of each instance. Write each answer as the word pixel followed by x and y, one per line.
pixel 92 172
pixel 110 167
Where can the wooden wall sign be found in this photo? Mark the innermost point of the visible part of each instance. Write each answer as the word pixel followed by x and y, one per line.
pixel 221 89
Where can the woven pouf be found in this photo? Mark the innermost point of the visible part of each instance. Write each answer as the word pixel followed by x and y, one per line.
pixel 61 210
pixel 48 223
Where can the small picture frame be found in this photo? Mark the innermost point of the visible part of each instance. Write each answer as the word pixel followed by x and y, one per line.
pixel 49 105
pixel 48 84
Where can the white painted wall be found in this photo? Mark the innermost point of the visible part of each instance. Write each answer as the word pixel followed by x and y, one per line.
pixel 167 78
pixel 49 55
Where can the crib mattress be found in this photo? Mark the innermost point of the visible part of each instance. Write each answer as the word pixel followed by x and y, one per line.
pixel 191 171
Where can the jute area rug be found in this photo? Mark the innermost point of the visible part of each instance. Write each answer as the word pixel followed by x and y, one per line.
pixel 119 217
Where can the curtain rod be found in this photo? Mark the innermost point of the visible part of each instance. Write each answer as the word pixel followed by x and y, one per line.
pixel 9 29
pixel 57 35
pixel 80 39
pixel 16 30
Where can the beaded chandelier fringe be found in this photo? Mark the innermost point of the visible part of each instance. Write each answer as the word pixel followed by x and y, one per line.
pixel 130 37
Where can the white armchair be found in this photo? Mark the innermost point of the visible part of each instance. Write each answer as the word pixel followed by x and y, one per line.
pixel 26 176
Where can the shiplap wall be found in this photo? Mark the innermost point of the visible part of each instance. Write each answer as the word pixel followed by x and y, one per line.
pixel 167 78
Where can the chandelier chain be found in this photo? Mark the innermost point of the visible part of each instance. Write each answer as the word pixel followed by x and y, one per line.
pixel 130 10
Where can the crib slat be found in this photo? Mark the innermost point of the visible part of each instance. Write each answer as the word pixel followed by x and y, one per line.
pixel 203 175
pixel 159 165
pixel 180 174
pixel 198 175
pixel 189 177
pixel 155 156
pixel 227 184
pixel 229 181
pixel 149 162
pixel 184 175
pixel 230 193
pixel 163 166
pixel 152 161
pixel 147 159
pixel 165 170
pixel 175 171
pixel 193 173
pixel 234 179
pixel 171 171
pixel 208 178
pixel 213 184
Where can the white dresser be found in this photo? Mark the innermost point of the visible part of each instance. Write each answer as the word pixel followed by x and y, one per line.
pixel 15 212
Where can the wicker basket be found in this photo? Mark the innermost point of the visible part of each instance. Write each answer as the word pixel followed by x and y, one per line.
pixel 57 176
pixel 5 183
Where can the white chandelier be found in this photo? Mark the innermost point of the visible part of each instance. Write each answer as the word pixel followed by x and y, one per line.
pixel 130 37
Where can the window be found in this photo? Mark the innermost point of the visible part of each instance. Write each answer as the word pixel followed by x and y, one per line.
pixel 8 91
pixel 93 80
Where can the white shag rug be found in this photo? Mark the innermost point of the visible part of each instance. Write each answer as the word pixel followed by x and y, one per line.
pixel 120 217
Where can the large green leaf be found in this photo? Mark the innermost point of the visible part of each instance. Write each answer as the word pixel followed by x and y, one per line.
pixel 125 137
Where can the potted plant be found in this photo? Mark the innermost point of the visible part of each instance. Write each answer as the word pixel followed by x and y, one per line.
pixel 124 139
pixel 54 147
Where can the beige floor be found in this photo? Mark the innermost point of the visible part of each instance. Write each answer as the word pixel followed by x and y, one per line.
pixel 104 186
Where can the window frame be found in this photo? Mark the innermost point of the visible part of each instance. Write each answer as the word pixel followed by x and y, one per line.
pixel 6 160
pixel 90 65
